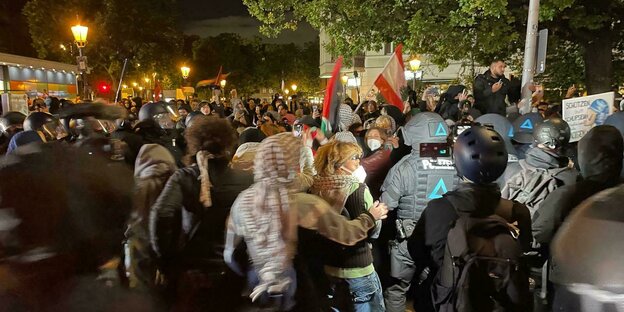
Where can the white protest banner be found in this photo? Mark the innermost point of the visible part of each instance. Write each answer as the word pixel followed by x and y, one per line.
pixel 583 113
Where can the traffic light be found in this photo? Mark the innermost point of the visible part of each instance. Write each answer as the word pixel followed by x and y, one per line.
pixel 104 87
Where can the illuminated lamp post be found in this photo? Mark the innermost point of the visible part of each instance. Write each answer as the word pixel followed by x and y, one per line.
pixel 80 38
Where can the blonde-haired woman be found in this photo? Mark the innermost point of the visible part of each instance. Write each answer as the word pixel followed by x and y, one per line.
pixel 340 182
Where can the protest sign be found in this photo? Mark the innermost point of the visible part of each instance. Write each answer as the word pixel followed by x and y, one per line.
pixel 583 113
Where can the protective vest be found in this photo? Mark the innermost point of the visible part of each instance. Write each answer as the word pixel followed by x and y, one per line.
pixel 416 180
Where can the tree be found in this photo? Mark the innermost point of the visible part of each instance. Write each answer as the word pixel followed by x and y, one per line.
pixel 446 30
pixel 144 31
pixel 254 65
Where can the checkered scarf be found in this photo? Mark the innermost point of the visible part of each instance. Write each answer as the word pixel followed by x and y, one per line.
pixel 268 224
pixel 345 117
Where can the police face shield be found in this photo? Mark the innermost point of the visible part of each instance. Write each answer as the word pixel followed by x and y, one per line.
pixel 10 130
pixel 164 120
pixel 53 130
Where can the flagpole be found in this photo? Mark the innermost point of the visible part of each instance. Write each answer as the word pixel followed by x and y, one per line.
pixel 123 70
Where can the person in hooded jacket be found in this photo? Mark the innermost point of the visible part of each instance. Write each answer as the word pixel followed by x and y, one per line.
pixel 154 166
pixel 427 173
pixel 480 158
pixel 187 222
pixel 550 136
pixel 601 153
pixel 448 107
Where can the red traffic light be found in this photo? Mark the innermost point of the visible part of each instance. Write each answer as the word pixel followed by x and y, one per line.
pixel 103 87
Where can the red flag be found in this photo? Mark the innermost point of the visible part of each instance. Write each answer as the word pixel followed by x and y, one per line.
pixel 392 78
pixel 331 102
pixel 157 91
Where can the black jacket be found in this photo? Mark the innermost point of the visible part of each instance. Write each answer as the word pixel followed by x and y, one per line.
pixel 485 100
pixel 427 243
pixel 600 160
pixel 182 231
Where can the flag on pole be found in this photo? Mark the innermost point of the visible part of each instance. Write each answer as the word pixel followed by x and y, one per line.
pixel 157 91
pixel 331 102
pixel 392 78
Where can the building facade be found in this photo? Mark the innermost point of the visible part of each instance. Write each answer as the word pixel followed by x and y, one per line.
pixel 369 64
pixel 23 79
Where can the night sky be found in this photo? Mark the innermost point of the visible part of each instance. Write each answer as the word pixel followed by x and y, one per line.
pixel 197 17
pixel 211 17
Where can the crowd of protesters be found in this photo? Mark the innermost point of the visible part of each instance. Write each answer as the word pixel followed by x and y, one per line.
pixel 450 204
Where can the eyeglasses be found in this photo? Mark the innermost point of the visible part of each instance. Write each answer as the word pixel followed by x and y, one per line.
pixel 356 157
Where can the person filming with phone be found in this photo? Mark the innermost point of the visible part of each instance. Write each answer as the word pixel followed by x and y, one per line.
pixel 491 88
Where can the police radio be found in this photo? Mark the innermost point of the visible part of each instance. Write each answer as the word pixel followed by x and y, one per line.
pixel 435 150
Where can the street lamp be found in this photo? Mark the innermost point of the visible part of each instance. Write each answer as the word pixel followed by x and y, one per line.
pixel 185 71
pixel 294 87
pixel 134 84
pixel 414 65
pixel 286 91
pixel 80 38
pixel 222 84
pixel 344 79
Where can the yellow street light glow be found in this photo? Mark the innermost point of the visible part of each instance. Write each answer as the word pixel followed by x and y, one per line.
pixel 414 64
pixel 125 86
pixel 147 80
pixel 80 35
pixel 344 79
pixel 294 87
pixel 185 71
pixel 286 91
pixel 222 83
pixel 134 84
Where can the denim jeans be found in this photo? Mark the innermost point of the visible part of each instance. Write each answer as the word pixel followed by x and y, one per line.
pixel 362 294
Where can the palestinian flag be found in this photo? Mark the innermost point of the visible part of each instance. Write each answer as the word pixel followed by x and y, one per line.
pixel 331 103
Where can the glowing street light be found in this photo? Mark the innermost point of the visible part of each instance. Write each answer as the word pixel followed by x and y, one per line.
pixel 80 35
pixel 125 86
pixel 222 83
pixel 344 79
pixel 147 80
pixel 134 84
pixel 80 38
pixel 414 65
pixel 286 91
pixel 294 87
pixel 185 71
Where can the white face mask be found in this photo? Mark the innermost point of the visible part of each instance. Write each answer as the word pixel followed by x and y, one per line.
pixel 373 144
pixel 359 173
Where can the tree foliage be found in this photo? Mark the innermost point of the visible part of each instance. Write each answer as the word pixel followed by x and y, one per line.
pixel 254 65
pixel 475 30
pixel 144 31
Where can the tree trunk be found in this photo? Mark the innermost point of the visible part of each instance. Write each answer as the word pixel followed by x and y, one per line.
pixel 598 57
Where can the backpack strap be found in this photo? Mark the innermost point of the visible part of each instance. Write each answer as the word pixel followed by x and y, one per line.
pixel 504 209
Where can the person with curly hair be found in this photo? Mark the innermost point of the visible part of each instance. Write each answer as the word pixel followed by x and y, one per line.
pixel 187 222
pixel 354 284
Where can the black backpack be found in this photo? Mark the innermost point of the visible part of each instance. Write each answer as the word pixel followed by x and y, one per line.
pixel 481 271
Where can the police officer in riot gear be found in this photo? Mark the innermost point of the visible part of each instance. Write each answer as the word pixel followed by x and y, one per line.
pixel 48 126
pixel 10 124
pixel 92 128
pixel 427 173
pixel 156 125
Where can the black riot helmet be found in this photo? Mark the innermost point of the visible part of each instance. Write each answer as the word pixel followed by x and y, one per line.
pixel 160 112
pixel 11 121
pixel 480 155
pixel 46 123
pixel 552 133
